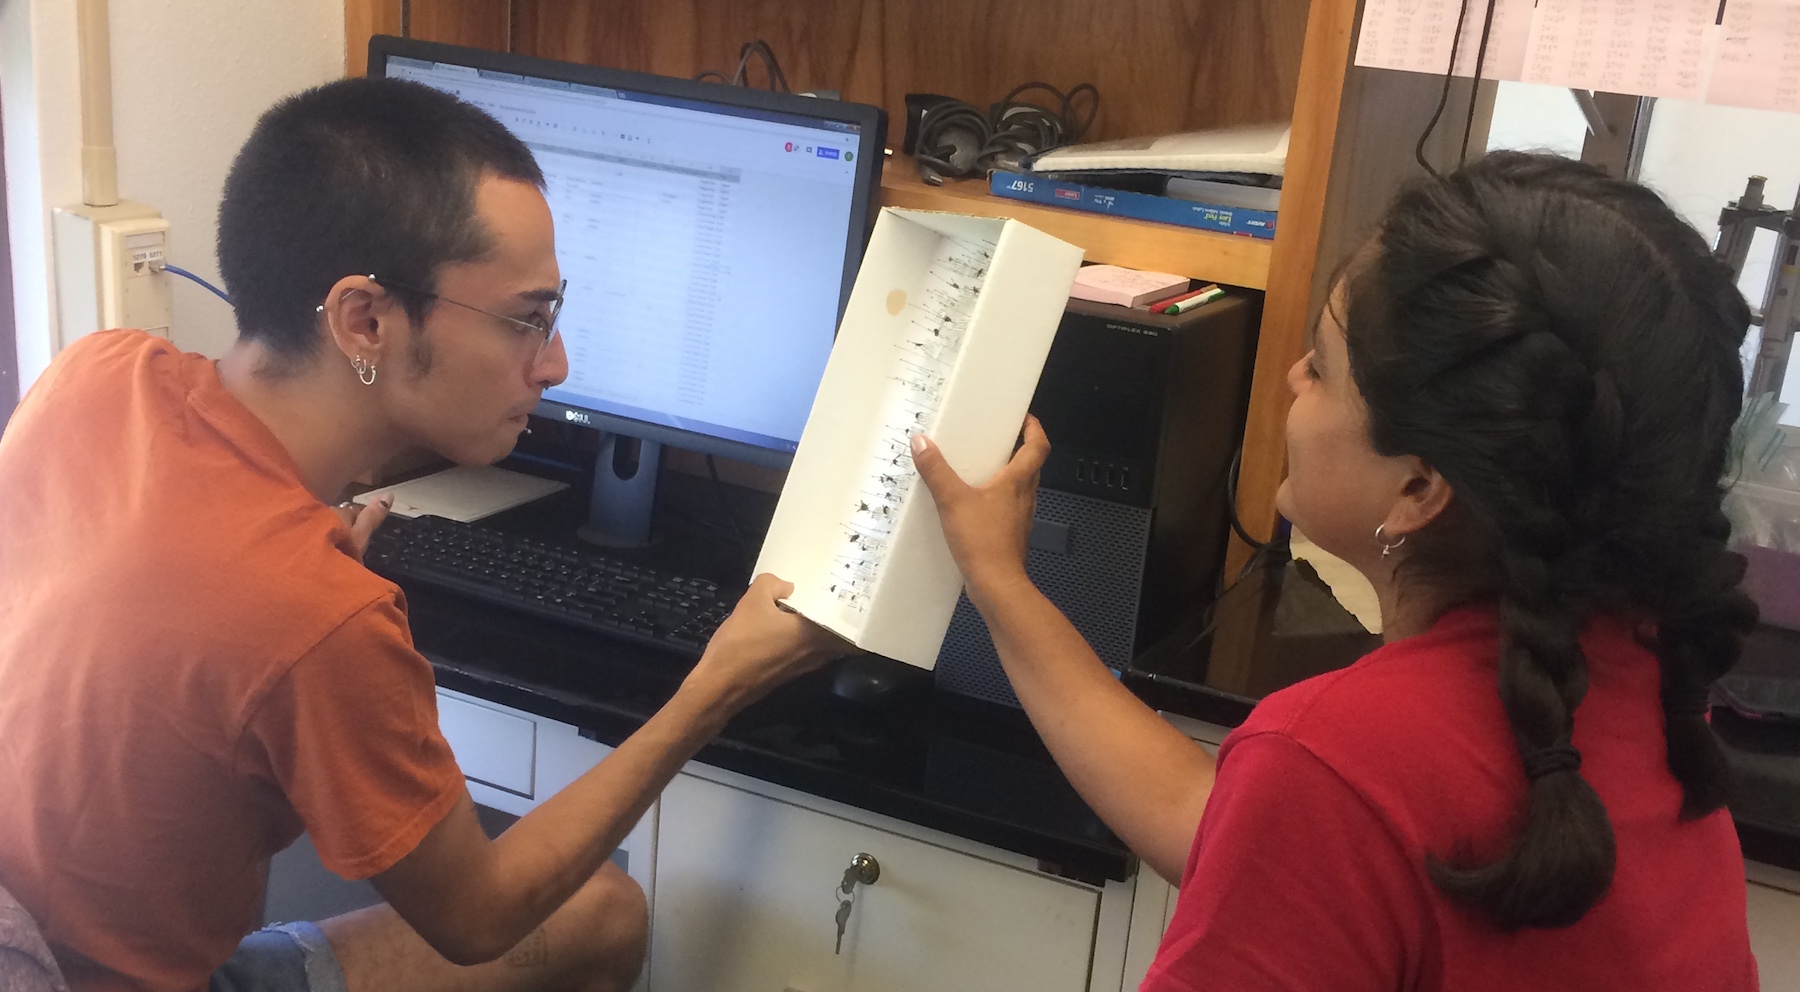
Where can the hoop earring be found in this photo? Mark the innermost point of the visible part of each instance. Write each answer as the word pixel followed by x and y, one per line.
pixel 1381 539
pixel 364 369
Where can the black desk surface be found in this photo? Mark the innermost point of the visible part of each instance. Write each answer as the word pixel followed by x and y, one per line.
pixel 943 761
pixel 963 766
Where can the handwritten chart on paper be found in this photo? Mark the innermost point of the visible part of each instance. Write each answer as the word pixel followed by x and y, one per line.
pixel 945 334
pixel 1663 48
pixel 1416 35
pixel 1734 52
pixel 938 319
pixel 1759 56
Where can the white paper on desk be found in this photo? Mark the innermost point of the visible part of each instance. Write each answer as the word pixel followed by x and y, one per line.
pixel 466 492
pixel 945 333
pixel 1759 56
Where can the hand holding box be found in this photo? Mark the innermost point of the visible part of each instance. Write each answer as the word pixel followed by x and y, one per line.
pixel 945 334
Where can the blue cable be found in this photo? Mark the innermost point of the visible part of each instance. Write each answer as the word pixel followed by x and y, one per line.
pixel 185 274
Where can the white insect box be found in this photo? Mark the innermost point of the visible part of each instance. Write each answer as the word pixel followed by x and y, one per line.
pixel 945 334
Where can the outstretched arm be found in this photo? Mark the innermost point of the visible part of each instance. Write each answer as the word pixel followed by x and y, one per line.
pixel 472 899
pixel 1146 779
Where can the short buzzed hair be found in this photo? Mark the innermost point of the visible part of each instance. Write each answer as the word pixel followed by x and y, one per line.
pixel 358 176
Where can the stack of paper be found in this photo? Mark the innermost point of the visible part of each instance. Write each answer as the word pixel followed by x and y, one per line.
pixel 1124 287
pixel 1257 149
pixel 1227 179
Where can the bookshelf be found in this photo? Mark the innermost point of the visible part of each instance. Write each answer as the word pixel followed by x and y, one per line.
pixel 1222 258
pixel 1161 66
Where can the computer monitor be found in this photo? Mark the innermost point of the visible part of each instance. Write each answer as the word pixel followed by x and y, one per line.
pixel 710 235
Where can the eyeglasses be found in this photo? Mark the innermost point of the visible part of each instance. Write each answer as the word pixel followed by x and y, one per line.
pixel 539 324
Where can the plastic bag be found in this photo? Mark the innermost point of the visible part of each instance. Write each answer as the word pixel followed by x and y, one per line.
pixel 1764 507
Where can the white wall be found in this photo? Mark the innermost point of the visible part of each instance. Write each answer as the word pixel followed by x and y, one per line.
pixel 190 77
pixel 1698 157
pixel 1534 117
pixel 43 159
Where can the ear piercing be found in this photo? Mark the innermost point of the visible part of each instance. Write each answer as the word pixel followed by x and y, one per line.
pixel 365 370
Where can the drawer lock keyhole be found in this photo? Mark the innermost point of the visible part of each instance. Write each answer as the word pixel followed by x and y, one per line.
pixel 863 870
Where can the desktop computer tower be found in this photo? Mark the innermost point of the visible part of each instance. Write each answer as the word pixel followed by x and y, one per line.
pixel 1144 413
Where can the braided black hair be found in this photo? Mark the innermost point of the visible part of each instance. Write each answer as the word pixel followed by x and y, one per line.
pixel 1563 349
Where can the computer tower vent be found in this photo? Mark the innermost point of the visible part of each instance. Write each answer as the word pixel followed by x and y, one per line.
pixel 1087 558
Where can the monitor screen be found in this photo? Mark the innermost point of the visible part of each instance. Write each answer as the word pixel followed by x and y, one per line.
pixel 709 235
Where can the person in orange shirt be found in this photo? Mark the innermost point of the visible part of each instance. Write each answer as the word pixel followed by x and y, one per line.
pixel 196 665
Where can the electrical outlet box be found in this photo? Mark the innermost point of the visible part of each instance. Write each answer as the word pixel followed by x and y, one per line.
pixel 135 291
pixel 109 269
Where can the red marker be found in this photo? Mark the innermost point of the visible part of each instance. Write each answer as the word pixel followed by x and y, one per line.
pixel 1158 306
pixel 1187 303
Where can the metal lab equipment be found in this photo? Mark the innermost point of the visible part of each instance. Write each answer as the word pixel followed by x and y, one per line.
pixel 1738 224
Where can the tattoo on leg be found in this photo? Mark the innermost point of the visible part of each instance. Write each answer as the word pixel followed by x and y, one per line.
pixel 532 952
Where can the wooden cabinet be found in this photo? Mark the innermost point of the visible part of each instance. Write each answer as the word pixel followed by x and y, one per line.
pixel 741 876
pixel 514 760
pixel 1775 925
pixel 1153 899
pixel 495 748
pixel 745 900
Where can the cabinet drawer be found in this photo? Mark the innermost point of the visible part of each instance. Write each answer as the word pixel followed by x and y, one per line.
pixel 1774 920
pixel 493 746
pixel 745 900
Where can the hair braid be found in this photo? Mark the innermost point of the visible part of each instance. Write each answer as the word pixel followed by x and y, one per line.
pixel 1562 348
pixel 1561 860
pixel 1697 642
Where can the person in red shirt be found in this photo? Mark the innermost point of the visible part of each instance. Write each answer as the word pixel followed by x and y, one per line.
pixel 1513 418
pixel 196 665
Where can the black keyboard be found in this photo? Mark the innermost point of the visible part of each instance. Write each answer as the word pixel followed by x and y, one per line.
pixel 579 588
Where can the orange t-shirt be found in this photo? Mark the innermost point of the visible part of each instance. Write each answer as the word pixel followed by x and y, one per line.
pixel 193 669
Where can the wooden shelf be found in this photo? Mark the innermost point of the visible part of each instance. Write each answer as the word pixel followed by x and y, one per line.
pixel 1221 258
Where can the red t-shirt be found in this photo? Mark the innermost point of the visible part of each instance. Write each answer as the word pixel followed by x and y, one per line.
pixel 193 669
pixel 1308 871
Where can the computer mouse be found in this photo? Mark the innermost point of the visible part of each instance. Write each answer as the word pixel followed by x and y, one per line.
pixel 873 680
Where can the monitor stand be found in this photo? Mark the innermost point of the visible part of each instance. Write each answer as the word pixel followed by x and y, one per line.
pixel 624 495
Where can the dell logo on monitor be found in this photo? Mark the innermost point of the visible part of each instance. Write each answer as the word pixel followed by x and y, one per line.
pixel 577 417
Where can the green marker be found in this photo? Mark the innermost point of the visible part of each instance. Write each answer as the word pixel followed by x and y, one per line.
pixel 1204 296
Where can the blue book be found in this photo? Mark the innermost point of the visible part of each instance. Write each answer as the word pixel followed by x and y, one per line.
pixel 1137 206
